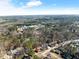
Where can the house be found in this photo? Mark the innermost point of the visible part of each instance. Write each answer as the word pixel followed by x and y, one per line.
pixel 37 49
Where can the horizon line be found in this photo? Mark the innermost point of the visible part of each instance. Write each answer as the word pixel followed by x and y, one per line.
pixel 44 15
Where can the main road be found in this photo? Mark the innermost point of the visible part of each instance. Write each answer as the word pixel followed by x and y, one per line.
pixel 44 53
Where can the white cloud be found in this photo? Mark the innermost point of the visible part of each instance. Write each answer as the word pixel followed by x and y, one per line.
pixel 34 3
pixel 7 9
pixel 55 12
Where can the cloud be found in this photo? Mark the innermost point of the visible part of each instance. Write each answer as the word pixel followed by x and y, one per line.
pixel 34 3
pixel 60 11
pixel 6 8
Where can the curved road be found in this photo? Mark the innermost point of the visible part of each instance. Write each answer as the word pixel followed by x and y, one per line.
pixel 44 53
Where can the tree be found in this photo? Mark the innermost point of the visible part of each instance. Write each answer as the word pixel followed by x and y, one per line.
pixel 36 57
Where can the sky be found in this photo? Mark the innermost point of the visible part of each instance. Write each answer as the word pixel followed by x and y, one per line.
pixel 39 7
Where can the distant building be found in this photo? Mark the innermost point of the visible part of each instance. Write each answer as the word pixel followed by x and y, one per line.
pixel 76 23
